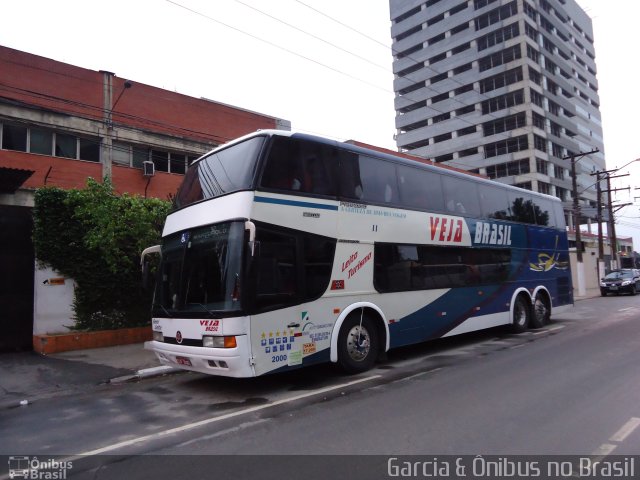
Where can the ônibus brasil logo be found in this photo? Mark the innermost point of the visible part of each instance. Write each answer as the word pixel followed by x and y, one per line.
pixel 33 468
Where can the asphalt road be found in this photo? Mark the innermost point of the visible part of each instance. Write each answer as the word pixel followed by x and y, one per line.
pixel 572 388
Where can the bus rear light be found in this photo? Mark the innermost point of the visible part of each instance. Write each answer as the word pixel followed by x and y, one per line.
pixel 219 342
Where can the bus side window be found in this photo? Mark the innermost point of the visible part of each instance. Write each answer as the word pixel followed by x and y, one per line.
pixel 317 170
pixel 461 196
pixel 282 171
pixel 379 180
pixel 276 275
pixel 349 176
pixel 420 189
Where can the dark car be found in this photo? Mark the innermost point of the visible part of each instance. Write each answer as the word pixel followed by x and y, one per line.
pixel 621 281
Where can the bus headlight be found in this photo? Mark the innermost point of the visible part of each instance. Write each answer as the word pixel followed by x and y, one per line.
pixel 219 342
pixel 158 336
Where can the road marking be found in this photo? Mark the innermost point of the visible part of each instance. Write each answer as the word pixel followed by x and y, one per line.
pixel 626 430
pixel 618 437
pixel 207 421
pixel 604 450
pixel 627 309
pixel 549 330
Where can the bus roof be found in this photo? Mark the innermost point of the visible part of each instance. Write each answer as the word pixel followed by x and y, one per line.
pixel 398 157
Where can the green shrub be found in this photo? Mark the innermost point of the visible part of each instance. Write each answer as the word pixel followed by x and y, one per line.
pixel 95 237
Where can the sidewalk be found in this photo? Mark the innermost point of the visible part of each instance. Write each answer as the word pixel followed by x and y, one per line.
pixel 30 376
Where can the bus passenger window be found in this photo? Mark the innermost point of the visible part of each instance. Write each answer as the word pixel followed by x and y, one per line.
pixel 276 270
pixel 379 181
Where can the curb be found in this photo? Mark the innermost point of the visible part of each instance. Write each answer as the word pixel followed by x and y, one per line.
pixel 145 373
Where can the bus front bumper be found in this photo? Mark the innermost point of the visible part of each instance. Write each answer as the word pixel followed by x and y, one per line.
pixel 227 362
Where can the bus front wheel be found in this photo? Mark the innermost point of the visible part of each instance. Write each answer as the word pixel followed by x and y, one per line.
pixel 521 314
pixel 357 343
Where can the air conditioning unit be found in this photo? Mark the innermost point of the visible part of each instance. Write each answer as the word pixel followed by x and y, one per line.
pixel 148 169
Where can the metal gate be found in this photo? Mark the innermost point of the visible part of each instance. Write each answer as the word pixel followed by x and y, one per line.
pixel 16 278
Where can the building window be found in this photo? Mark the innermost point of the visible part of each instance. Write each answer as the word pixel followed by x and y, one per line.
pixel 537 98
pixel 442 138
pixel 496 15
pixel 466 131
pixel 504 124
pixel 462 68
pixel 538 121
pixel 65 145
pixel 440 98
pixel 504 147
pixel 465 110
pixel 540 143
pixel 499 58
pixel 90 150
pixel 411 69
pixel 461 48
pixel 544 188
pixel 503 101
pixel 463 89
pixel 40 141
pixel 409 14
pixel 501 80
pixel 468 152
pixel 541 166
pixel 14 137
pixel 499 36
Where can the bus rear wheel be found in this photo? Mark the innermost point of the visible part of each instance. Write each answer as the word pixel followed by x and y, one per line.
pixel 541 311
pixel 357 344
pixel 521 314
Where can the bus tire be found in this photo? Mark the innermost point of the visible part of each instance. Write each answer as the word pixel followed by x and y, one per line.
pixel 358 343
pixel 541 311
pixel 521 314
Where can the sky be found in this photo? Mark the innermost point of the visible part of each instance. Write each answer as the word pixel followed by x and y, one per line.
pixel 325 65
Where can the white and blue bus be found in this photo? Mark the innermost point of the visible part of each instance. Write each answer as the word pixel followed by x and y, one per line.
pixel 285 250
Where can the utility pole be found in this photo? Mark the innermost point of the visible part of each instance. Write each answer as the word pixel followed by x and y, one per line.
pixel 575 158
pixel 601 269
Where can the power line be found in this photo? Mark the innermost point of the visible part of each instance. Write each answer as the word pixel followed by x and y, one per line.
pixel 313 36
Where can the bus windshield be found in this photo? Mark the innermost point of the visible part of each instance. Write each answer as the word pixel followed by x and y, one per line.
pixel 200 271
pixel 224 171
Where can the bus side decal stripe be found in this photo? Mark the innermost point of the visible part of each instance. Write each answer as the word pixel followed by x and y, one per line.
pixel 294 203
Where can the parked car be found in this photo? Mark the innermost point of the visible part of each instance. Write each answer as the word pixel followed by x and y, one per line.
pixel 617 281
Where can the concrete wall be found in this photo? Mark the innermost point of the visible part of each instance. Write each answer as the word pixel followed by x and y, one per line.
pixel 53 297
pixel 590 261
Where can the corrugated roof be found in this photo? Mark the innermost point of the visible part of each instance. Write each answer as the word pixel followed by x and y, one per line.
pixel 12 178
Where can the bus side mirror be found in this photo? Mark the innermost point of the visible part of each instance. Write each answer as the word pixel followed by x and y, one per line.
pixel 145 262
pixel 251 228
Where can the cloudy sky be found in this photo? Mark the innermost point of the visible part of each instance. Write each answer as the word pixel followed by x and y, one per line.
pixel 322 64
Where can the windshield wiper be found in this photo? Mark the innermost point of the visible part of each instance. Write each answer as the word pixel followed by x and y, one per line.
pixel 210 312
pixel 163 309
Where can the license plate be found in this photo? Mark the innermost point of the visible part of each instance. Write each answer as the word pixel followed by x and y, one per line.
pixel 613 287
pixel 183 361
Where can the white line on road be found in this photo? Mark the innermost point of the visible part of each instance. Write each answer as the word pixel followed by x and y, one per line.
pixel 626 430
pixel 549 330
pixel 604 450
pixel 618 437
pixel 207 421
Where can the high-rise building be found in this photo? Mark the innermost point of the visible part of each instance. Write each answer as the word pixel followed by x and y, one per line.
pixel 505 88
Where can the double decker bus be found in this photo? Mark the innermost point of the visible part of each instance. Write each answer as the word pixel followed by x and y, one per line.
pixel 285 250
